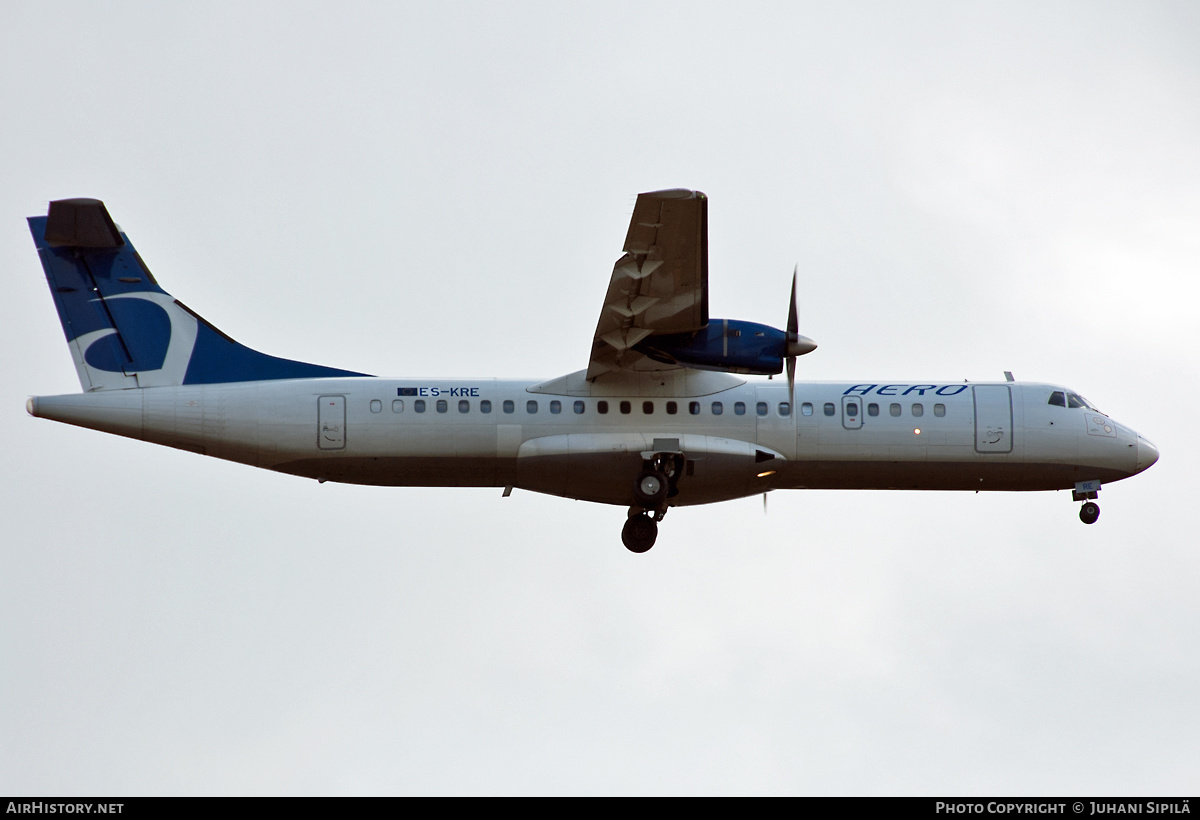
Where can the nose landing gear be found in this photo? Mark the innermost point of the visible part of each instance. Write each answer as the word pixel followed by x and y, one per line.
pixel 1089 512
pixel 1087 492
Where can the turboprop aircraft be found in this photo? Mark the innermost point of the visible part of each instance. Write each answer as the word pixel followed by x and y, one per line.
pixel 660 417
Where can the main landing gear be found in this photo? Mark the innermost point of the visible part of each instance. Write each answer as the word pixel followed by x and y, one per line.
pixel 640 531
pixel 1087 491
pixel 651 491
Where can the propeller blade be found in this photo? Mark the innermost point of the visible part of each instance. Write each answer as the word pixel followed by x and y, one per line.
pixel 797 345
pixel 793 325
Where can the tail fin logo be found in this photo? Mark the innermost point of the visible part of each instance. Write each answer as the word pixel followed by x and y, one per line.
pixel 145 342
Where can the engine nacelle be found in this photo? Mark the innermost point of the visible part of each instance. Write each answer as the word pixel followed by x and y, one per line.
pixel 728 345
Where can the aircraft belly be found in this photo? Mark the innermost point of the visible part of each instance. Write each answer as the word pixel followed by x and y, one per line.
pixel 607 478
pixel 400 471
pixel 971 474
pixel 602 467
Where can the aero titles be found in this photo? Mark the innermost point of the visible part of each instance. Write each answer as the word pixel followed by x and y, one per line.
pixel 919 389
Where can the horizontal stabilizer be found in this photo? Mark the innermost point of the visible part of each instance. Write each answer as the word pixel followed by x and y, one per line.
pixel 81 223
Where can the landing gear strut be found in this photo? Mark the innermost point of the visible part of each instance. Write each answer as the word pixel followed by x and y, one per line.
pixel 654 485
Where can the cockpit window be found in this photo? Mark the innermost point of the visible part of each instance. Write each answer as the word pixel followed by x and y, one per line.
pixel 1058 399
pixel 1076 400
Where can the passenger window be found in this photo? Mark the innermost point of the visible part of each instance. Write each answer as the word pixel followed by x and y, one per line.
pixel 872 409
pixel 739 408
pixel 397 405
pixel 648 407
pixel 806 408
pixel 376 406
pixel 442 407
pixel 761 408
pixel 419 405
pixel 939 410
pixel 894 409
pixel 672 408
pixel 602 407
pixel 717 408
pixel 556 407
pixel 851 409
pixel 1058 399
pixel 579 408
pixel 918 409
pixel 694 408
pixel 464 406
pixel 785 408
pixel 509 406
pixel 485 406
pixel 531 407
pixel 829 408
pixel 626 408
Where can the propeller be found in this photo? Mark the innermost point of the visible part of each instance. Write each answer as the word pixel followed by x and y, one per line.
pixel 797 345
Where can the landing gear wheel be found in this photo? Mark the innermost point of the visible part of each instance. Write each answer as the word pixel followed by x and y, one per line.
pixel 650 489
pixel 1089 512
pixel 639 533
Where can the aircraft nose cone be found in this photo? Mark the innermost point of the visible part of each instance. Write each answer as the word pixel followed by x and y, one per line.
pixel 1147 454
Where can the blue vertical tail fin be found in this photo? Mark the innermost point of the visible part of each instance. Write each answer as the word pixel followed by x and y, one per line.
pixel 124 330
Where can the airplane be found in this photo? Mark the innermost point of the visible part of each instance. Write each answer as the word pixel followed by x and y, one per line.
pixel 661 417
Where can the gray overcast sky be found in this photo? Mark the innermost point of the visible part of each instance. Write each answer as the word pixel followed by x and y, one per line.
pixel 441 190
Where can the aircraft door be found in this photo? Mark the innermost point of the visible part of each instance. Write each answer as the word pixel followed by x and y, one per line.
pixel 852 412
pixel 331 422
pixel 993 418
pixel 775 420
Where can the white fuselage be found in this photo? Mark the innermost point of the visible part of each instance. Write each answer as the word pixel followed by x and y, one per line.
pixel 567 438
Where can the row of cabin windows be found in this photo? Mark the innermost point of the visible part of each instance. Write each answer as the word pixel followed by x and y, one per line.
pixel 830 409
pixel 716 408
pixel 579 407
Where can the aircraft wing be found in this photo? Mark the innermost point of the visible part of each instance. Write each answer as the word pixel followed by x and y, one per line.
pixel 660 285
